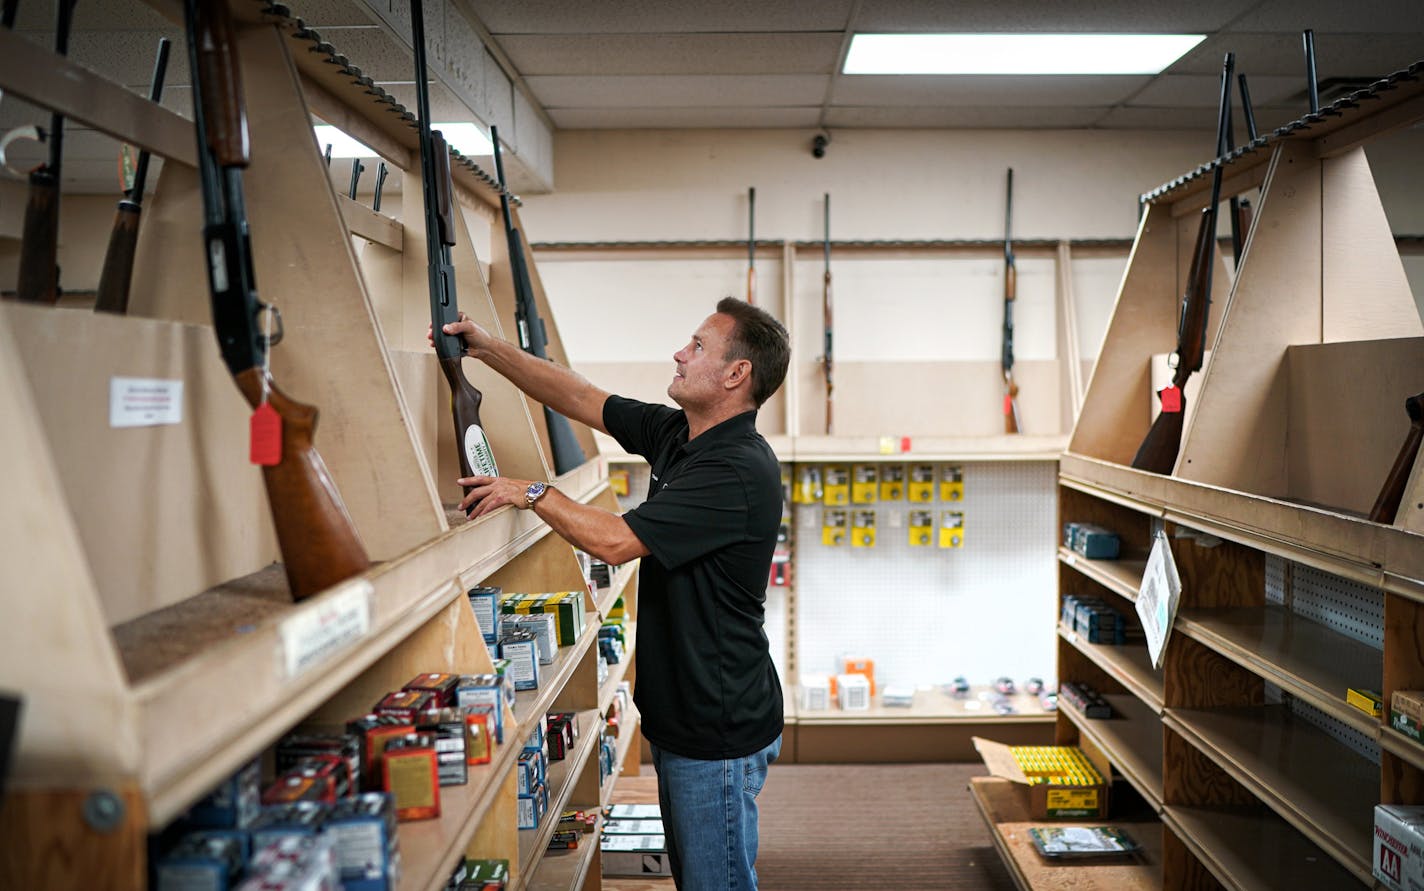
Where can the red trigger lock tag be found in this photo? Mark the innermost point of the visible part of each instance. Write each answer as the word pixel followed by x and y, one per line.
pixel 1171 399
pixel 265 447
pixel 1008 405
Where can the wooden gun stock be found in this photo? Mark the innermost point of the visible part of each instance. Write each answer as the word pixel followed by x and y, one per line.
pixel 1392 492
pixel 319 543
pixel 39 271
pixel 117 274
pixel 220 80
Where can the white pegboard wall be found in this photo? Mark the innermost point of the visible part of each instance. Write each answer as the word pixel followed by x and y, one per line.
pixel 926 614
pixel 1356 741
pixel 1350 608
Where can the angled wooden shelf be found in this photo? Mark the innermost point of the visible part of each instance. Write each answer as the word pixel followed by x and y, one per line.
pixel 1131 739
pixel 1128 664
pixel 1301 656
pixel 1314 783
pixel 1249 851
pixel 568 870
pixel 563 776
pixel 1398 744
pixel 1123 577
pixel 1003 805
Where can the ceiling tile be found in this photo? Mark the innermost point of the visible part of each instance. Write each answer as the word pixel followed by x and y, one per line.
pixel 1336 55
pixel 1120 16
pixel 972 90
pixel 683 118
pixel 659 16
pixel 534 54
pixel 1395 16
pixel 633 91
pixel 1204 91
pixel 1156 118
pixel 880 116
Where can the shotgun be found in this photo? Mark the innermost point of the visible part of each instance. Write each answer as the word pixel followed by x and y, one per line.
pixel 1158 452
pixel 476 456
pixel 1312 86
pixel 1238 228
pixel 751 246
pixel 381 171
pixel 327 155
pixel 39 255
pixel 826 319
pixel 1243 212
pixel 533 336
pixel 1011 286
pixel 1392 492
pixel 357 168
pixel 319 543
pixel 117 274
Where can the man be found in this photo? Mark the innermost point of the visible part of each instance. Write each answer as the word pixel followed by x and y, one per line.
pixel 707 689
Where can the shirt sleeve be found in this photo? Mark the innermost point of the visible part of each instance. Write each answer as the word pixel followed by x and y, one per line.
pixel 637 426
pixel 703 509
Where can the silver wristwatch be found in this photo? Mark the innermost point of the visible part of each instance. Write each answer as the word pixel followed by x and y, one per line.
pixel 535 491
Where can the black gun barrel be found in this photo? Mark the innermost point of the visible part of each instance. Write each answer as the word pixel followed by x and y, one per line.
pixel 1312 85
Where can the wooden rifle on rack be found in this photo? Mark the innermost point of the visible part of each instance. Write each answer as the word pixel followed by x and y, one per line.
pixel 1392 492
pixel 533 336
pixel 751 246
pixel 826 318
pixel 1011 286
pixel 476 455
pixel 1158 451
pixel 39 254
pixel 117 274
pixel 319 543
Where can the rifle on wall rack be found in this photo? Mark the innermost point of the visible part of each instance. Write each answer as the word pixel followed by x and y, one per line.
pixel 39 256
pixel 1011 286
pixel 476 456
pixel 751 246
pixel 319 543
pixel 1158 451
pixel 1386 506
pixel 117 274
pixel 357 168
pixel 381 171
pixel 533 336
pixel 1312 86
pixel 826 317
pixel 1240 210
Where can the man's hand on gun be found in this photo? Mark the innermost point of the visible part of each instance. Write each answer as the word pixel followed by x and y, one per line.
pixel 492 492
pixel 471 334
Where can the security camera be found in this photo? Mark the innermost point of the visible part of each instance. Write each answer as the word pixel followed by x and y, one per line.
pixel 818 145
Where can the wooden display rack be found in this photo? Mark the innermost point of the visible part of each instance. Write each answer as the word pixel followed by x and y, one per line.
pixel 1314 348
pixel 148 628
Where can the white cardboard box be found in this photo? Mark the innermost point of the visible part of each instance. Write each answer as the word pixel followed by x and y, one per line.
pixel 1399 846
pixel 634 855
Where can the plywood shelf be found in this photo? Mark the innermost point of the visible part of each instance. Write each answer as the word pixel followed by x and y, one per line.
pixel 1129 664
pixel 1131 739
pixel 930 707
pixel 561 780
pixel 1398 744
pixel 1303 657
pixel 1313 782
pixel 1004 808
pixel 1249 851
pixel 1020 447
pixel 626 738
pixel 1122 576
pixel 568 870
pixel 530 704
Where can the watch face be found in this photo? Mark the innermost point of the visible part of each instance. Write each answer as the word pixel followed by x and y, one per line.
pixel 535 489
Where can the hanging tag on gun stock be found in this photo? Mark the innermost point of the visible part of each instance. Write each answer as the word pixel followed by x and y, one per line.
pixel 1171 399
pixel 265 447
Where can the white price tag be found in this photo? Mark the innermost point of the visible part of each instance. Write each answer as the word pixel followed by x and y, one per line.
pixel 318 631
pixel 144 402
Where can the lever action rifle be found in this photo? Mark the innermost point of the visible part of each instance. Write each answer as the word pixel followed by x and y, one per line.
pixel 533 336
pixel 1158 452
pixel 1392 492
pixel 319 543
pixel 751 246
pixel 476 456
pixel 1011 287
pixel 117 274
pixel 826 316
pixel 39 256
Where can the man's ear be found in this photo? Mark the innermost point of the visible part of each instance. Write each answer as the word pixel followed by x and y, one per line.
pixel 740 371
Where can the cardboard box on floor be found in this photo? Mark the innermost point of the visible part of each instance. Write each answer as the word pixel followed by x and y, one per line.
pixel 1051 802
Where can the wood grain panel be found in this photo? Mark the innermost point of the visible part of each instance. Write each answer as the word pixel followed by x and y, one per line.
pixel 1198 677
pixel 1225 574
pixel 1400 781
pixel 1191 778
pixel 1133 529
pixel 1181 870
pixel 1403 646
pixel 48 844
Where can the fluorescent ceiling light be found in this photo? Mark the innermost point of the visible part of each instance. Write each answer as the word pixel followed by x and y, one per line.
pixel 465 137
pixel 1016 53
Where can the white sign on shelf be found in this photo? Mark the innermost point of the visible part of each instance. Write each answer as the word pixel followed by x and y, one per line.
pixel 333 622
pixel 145 402
pixel 1158 596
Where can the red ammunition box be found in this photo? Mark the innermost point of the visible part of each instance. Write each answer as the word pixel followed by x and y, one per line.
pixel 374 732
pixel 405 704
pixel 441 686
pixel 412 776
pixel 299 784
pixel 296 748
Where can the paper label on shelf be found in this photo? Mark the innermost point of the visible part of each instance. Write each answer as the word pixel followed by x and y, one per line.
pixel 145 402
pixel 1158 596
pixel 318 631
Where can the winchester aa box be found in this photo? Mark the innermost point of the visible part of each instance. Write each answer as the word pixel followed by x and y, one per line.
pixel 1399 846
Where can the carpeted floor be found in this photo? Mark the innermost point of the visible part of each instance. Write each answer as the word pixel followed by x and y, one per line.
pixel 824 827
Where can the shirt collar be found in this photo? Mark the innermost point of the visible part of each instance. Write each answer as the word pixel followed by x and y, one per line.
pixel 732 428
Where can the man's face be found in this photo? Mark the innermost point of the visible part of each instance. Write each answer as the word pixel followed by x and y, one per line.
pixel 701 366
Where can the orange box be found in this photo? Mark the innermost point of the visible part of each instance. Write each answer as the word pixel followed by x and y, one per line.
pixel 858 665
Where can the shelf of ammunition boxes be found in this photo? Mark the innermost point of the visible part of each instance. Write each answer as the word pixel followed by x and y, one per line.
pixel 1315 783
pixel 605 598
pixel 1122 576
pixel 1247 850
pixel 616 673
pixel 562 778
pixel 871 449
pixel 626 739
pixel 1004 806
pixel 1302 657
pixel 1129 664
pixel 1131 739
pixel 568 870
pixel 530 705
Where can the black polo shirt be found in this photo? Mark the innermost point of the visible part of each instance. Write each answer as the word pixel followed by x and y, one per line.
pixel 706 685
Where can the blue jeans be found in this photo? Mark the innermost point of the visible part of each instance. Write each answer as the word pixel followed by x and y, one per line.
pixel 710 817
